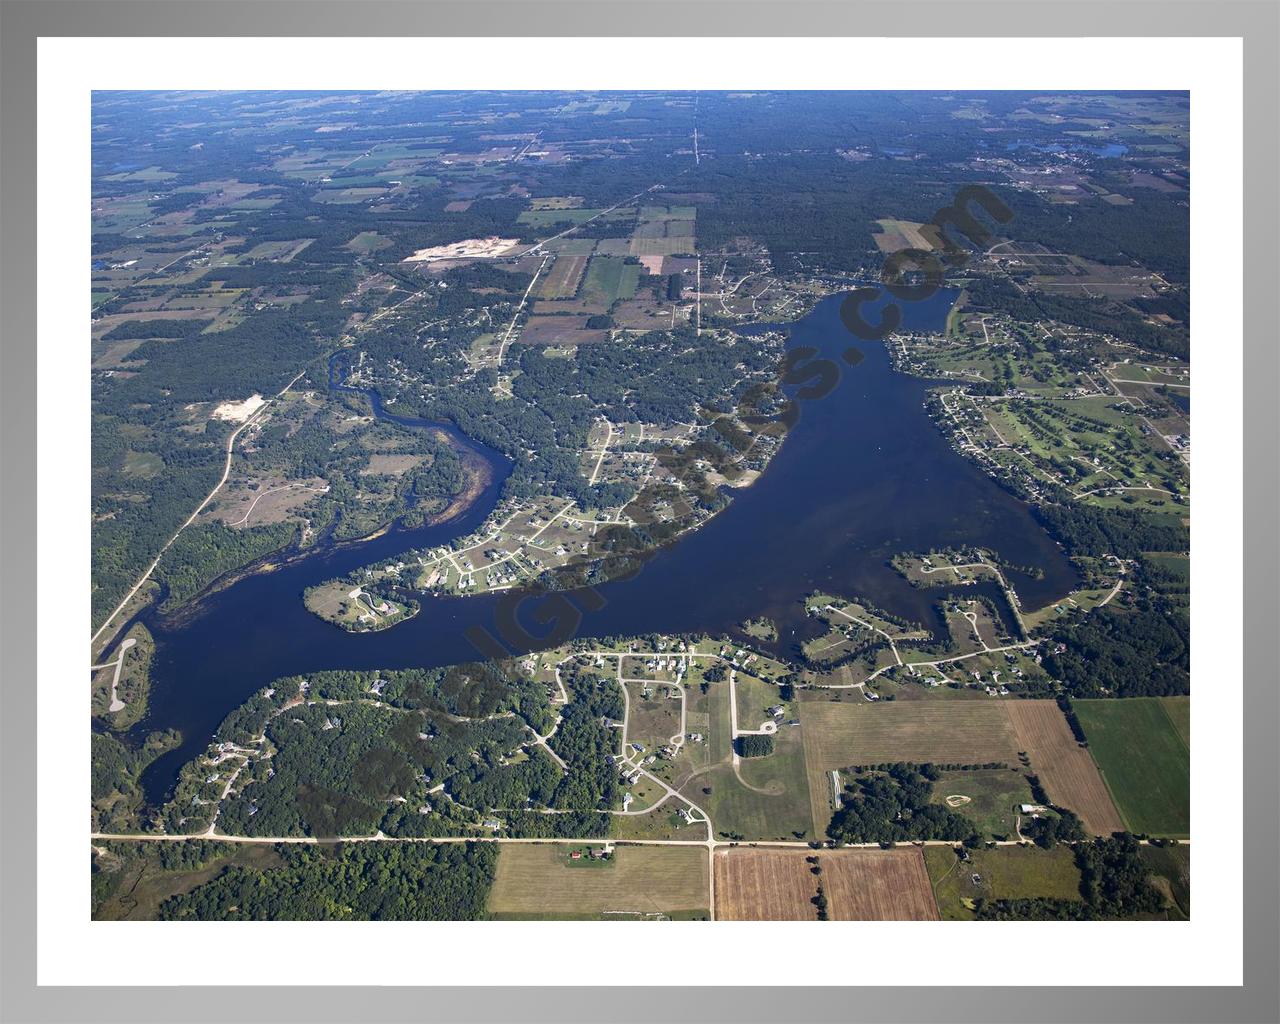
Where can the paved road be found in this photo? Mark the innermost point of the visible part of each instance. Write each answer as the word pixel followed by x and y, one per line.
pixel 116 703
pixel 378 837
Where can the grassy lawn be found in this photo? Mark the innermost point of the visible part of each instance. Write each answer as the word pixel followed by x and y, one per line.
pixel 754 697
pixel 771 798
pixel 654 720
pixel 993 798
pixel 1144 761
pixel 1174 562
pixel 1171 874
pixel 662 823
pixel 1007 872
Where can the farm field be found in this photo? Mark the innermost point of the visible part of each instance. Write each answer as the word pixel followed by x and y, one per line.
pixel 1179 711
pixel 1007 872
pixel 560 330
pixel 860 885
pixel 1144 761
pixel 537 882
pixel 843 733
pixel 1065 769
pixel 610 278
pixel 555 202
pixel 562 280
pixel 901 234
pixel 555 217
pixel 366 242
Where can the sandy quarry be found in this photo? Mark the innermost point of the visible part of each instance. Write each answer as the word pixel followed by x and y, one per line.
pixel 238 412
pixel 491 246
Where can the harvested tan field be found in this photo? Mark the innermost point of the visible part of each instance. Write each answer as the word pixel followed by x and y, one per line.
pixel 673 246
pixel 843 733
pixel 1066 770
pixel 860 885
pixel 537 881
pixel 901 234
pixel 764 885
pixel 391 465
pixel 877 885
pixel 838 734
pixel 565 276
pixel 560 330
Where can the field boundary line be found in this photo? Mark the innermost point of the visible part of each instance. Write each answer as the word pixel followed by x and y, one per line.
pixel 1177 733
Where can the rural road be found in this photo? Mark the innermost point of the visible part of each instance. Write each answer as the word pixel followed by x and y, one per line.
pixel 226 472
pixel 116 703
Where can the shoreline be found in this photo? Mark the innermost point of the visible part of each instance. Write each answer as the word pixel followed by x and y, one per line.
pixel 480 476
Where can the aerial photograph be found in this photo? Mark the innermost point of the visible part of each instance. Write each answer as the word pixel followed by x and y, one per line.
pixel 640 506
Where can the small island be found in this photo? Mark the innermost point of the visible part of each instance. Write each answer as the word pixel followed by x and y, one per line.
pixel 762 628
pixel 358 609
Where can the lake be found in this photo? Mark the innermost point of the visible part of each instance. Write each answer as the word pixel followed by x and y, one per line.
pixel 863 475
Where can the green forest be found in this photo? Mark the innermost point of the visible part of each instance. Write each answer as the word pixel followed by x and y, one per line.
pixel 349 882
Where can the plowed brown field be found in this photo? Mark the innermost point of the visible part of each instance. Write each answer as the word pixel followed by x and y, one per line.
pixel 1066 770
pixel 860 885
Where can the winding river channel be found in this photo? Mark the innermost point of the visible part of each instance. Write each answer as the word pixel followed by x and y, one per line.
pixel 862 475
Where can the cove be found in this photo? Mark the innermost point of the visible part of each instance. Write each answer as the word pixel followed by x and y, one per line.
pixel 862 475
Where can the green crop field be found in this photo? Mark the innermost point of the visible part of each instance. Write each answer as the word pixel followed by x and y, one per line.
pixel 368 241
pixel 548 218
pixel 609 278
pixel 1179 712
pixel 1144 761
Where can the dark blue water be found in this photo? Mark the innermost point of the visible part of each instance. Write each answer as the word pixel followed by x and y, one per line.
pixel 863 475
